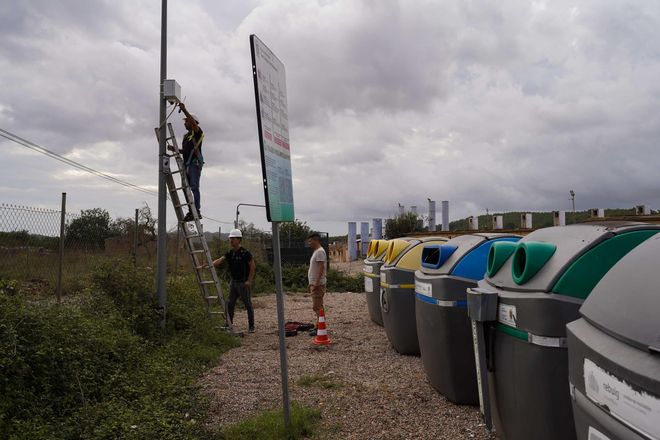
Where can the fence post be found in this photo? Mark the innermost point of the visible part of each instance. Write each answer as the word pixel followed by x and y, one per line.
pixel 135 238
pixel 61 262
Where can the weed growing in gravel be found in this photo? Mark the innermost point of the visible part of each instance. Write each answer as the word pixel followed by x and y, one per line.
pixel 269 425
pixel 320 381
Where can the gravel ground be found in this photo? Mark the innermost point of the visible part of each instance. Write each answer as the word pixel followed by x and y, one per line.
pixel 373 392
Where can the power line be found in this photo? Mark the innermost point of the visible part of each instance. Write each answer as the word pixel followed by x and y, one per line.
pixel 45 151
pixel 39 149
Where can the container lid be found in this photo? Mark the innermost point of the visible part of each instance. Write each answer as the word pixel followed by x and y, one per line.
pixel 570 243
pixel 432 262
pixel 626 301
pixel 473 264
pixel 411 257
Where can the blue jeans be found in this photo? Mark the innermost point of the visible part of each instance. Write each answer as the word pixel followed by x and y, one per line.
pixel 194 174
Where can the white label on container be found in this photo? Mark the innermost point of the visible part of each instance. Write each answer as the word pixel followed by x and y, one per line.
pixel 637 409
pixel 368 269
pixel 425 289
pixel 368 284
pixel 595 434
pixel 506 314
pixel 383 279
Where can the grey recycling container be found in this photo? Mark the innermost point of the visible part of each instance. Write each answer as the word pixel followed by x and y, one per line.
pixel 397 293
pixel 541 282
pixel 443 326
pixel 614 352
pixel 373 262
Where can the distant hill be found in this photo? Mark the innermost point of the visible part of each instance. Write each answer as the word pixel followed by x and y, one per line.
pixel 539 219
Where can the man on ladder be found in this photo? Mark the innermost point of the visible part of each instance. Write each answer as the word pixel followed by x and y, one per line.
pixel 192 157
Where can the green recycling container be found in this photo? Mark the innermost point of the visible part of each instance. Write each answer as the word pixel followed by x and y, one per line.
pixel 541 282
pixel 614 352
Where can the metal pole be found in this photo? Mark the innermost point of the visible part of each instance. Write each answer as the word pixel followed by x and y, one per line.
pixel 178 247
pixel 277 269
pixel 61 262
pixel 162 199
pixel 135 238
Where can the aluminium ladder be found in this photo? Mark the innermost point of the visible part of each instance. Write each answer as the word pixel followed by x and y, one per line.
pixel 196 245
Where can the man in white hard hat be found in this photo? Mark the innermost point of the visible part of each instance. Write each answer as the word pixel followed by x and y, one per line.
pixel 192 157
pixel 241 269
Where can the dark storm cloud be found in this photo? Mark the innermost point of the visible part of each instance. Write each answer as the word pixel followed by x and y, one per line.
pixel 498 105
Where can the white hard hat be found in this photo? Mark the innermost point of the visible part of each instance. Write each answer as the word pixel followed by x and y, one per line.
pixel 235 233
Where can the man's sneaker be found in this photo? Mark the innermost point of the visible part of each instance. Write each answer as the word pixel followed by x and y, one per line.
pixel 189 217
pixel 199 214
pixel 312 332
pixel 251 330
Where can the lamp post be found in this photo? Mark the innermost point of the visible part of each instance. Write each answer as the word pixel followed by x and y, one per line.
pixel 572 193
pixel 238 212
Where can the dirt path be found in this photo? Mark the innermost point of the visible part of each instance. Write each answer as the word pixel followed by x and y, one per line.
pixel 374 393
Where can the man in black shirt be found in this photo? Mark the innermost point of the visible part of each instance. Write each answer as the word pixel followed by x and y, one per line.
pixel 192 157
pixel 241 269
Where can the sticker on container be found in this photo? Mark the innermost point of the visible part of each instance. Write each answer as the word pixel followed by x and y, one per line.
pixel 369 269
pixel 636 408
pixel 383 277
pixel 425 289
pixel 368 285
pixel 506 314
pixel 595 434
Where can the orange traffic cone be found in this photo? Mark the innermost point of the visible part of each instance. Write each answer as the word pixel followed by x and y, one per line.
pixel 321 331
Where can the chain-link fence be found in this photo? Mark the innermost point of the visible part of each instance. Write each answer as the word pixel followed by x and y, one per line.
pixel 47 251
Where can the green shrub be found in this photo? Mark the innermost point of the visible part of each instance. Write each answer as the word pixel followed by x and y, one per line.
pixel 269 425
pixel 93 368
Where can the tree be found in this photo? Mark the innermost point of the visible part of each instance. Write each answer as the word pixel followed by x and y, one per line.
pixel 400 225
pixel 90 229
pixel 295 230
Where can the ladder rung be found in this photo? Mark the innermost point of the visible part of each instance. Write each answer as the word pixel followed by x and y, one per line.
pixel 207 282
pixel 182 205
pixel 197 251
pixel 178 188
pixel 211 297
pixel 216 313
pixel 202 267
pixel 193 236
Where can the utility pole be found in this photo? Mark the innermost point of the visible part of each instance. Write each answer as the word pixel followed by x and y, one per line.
pixel 162 157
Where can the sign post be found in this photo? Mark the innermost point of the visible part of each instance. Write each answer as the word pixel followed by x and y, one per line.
pixel 273 124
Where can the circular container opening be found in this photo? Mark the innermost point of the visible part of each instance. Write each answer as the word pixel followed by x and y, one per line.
pixel 491 260
pixel 519 263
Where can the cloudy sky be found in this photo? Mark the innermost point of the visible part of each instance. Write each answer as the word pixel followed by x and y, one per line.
pixel 503 105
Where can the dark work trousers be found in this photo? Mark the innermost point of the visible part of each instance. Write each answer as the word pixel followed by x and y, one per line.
pixel 238 289
pixel 194 174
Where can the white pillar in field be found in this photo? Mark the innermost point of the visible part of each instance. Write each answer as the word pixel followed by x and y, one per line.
pixel 473 223
pixel 402 209
pixel 642 210
pixel 498 222
pixel 598 213
pixel 377 225
pixel 559 218
pixel 352 241
pixel 431 215
pixel 526 220
pixel 445 215
pixel 413 209
pixel 364 237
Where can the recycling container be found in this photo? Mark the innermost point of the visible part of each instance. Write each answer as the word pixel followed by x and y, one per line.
pixel 443 327
pixel 375 257
pixel 541 282
pixel 614 352
pixel 397 293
